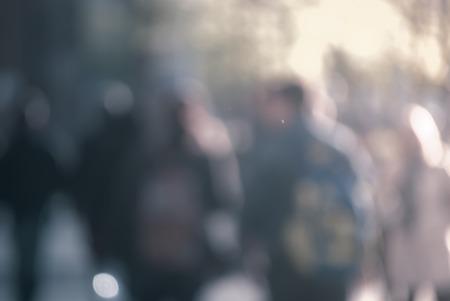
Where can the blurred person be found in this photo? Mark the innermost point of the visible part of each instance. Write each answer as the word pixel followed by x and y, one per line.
pixel 385 144
pixel 104 147
pixel 28 171
pixel 417 246
pixel 172 198
pixel 301 209
pixel 28 176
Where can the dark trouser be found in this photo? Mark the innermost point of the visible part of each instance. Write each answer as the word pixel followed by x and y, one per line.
pixel 162 286
pixel 443 296
pixel 151 283
pixel 286 284
pixel 26 235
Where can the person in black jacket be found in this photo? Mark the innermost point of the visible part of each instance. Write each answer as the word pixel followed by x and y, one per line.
pixel 172 199
pixel 28 176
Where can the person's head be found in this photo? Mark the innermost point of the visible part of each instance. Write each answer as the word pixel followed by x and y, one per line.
pixel 165 114
pixel 283 103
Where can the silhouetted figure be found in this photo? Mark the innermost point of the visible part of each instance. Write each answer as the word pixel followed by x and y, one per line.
pixel 417 249
pixel 28 175
pixel 300 209
pixel 174 204
pixel 93 182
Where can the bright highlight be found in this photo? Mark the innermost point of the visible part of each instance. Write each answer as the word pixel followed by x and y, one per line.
pixel 105 285
pixel 426 130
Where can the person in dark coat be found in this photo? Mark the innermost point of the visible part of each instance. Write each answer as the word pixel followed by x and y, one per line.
pixel 28 177
pixel 175 202
pixel 295 175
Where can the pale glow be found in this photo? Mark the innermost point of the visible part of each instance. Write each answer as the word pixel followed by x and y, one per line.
pixel 426 130
pixel 118 98
pixel 355 26
pixel 447 242
pixel 306 58
pixel 426 292
pixel 446 160
pixel 105 285
pixel 351 25
pixel 429 56
pixel 372 292
pixel 210 134
pixel 447 238
pixel 233 287
pixel 369 32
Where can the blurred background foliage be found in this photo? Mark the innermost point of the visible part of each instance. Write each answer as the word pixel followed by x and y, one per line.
pixel 370 55
pixel 364 59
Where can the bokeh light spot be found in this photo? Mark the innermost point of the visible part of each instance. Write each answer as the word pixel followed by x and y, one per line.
pixel 427 132
pixel 105 285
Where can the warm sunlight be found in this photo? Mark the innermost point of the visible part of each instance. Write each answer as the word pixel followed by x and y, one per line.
pixel 428 134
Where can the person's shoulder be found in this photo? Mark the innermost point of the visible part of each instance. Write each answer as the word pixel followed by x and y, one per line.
pixel 348 149
pixel 322 147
